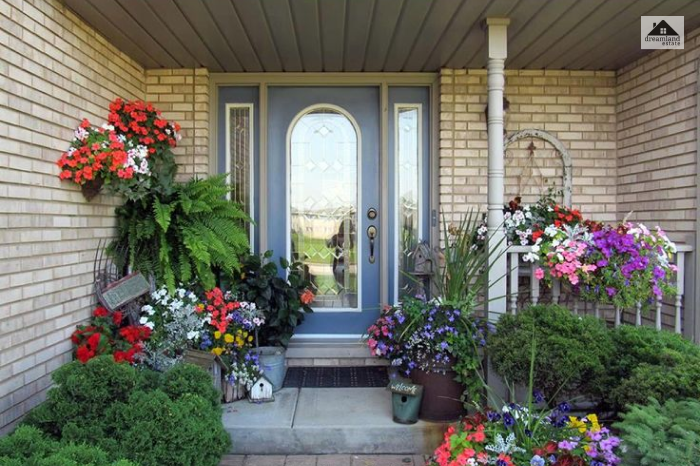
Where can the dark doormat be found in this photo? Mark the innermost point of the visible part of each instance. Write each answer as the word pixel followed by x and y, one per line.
pixel 336 377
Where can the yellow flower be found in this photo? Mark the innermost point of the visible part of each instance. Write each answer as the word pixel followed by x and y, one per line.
pixel 228 338
pixel 217 351
pixel 595 426
pixel 217 334
pixel 239 341
pixel 576 423
pixel 250 338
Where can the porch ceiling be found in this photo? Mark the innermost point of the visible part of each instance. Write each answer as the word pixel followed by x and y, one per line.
pixel 374 35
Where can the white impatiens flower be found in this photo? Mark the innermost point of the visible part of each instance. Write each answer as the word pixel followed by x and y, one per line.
pixel 148 309
pixel 107 127
pixel 192 334
pixel 80 133
pixel 531 257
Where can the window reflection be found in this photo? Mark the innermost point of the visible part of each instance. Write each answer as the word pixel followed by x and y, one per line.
pixel 323 205
pixel 408 190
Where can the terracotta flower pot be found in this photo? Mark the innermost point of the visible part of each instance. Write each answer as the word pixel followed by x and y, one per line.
pixel 92 188
pixel 441 395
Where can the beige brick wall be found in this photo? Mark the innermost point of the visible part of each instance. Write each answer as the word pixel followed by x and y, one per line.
pixel 657 128
pixel 54 70
pixel 577 107
pixel 183 96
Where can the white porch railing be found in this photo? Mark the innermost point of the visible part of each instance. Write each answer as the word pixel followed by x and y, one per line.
pixel 524 288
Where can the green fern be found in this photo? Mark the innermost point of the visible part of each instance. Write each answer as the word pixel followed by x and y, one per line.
pixel 186 236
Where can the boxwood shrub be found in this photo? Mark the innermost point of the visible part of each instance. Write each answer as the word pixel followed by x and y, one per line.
pixel 151 419
pixel 649 363
pixel 571 352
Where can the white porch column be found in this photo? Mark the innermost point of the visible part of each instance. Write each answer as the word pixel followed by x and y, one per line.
pixel 498 50
pixel 496 306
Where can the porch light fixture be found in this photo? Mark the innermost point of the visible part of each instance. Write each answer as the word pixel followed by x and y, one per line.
pixel 506 107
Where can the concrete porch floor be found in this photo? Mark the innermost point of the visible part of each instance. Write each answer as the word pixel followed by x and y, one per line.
pixel 323 421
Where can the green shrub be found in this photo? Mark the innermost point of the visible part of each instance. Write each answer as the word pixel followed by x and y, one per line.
pixel 28 446
pixel 83 393
pixel 26 442
pixel 157 430
pixel 572 352
pixel 173 419
pixel 661 435
pixel 649 363
pixel 186 379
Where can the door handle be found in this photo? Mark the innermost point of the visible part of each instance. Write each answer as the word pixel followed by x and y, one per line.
pixel 371 234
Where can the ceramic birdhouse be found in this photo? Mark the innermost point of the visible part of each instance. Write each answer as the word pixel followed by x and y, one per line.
pixel 261 391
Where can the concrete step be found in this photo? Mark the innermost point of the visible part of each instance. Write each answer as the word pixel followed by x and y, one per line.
pixel 316 421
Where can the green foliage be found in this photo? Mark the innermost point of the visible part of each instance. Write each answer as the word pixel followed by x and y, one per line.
pixel 463 275
pixel 572 352
pixel 188 379
pixel 185 236
pixel 28 446
pixel 662 435
pixel 83 394
pixel 155 430
pixel 279 299
pixel 650 363
pixel 172 419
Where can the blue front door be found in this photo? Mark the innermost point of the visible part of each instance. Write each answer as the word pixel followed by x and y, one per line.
pixel 320 179
pixel 323 199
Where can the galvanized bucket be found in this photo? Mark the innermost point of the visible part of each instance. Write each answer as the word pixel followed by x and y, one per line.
pixel 273 364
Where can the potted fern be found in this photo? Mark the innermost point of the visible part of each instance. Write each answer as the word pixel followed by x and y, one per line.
pixel 282 293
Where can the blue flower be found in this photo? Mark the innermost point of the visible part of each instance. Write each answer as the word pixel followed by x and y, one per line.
pixel 537 460
pixel 493 416
pixel 564 407
pixel 508 420
pixel 538 396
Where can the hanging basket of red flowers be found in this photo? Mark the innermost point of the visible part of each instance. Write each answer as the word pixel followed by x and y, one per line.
pixel 130 155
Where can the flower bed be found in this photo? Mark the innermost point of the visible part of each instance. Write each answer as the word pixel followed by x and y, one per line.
pixel 520 436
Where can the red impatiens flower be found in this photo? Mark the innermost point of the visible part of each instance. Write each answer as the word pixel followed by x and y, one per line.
pixel 84 354
pixel 117 318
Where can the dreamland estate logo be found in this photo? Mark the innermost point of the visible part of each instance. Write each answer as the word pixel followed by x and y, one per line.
pixel 662 32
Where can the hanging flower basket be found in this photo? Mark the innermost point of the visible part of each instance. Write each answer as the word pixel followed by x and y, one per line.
pixel 92 188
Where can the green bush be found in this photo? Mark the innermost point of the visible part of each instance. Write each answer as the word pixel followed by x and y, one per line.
pixel 184 379
pixel 173 419
pixel 157 430
pixel 572 352
pixel 649 363
pixel 83 393
pixel 28 446
pixel 661 435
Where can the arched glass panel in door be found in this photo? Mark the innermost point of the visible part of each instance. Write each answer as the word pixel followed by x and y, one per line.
pixel 323 204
